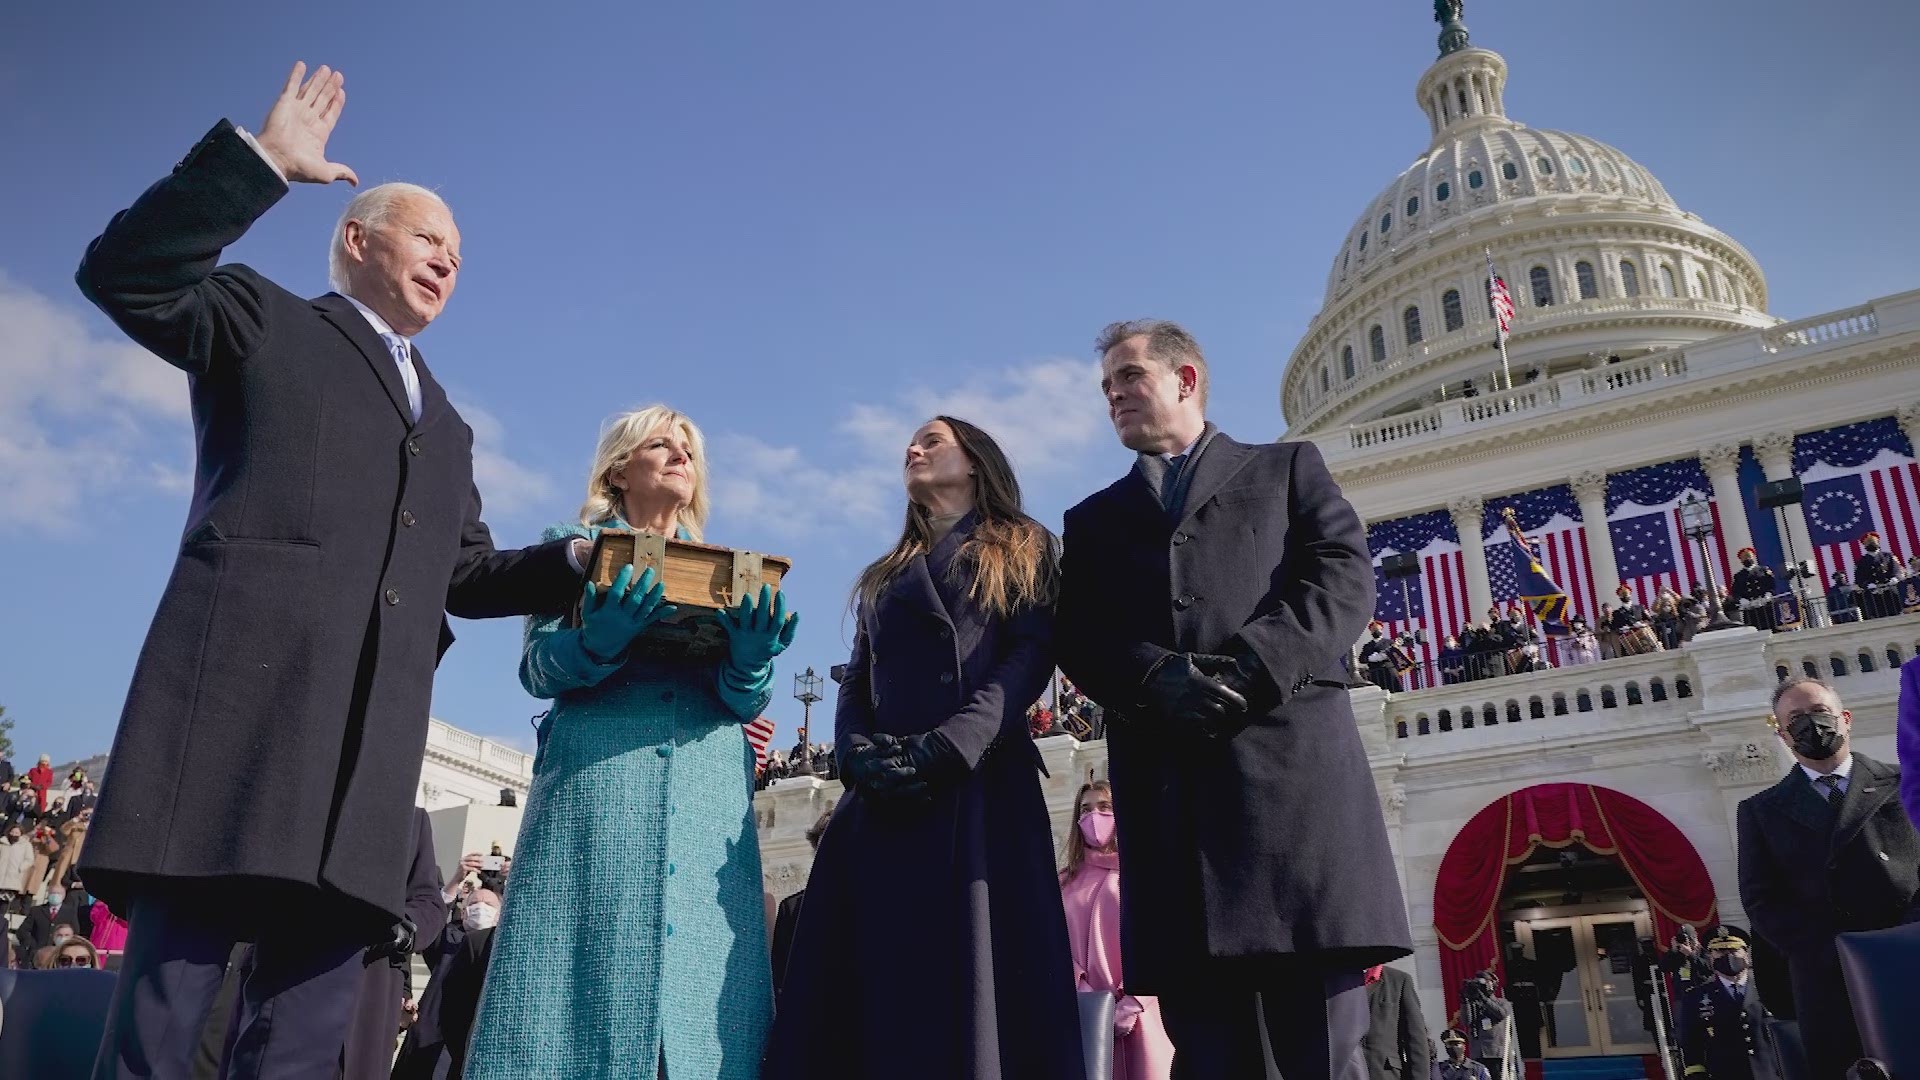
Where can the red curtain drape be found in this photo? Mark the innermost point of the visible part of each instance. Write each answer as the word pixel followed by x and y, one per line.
pixel 1466 896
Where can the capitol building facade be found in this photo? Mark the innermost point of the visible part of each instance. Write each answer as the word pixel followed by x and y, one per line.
pixel 1563 815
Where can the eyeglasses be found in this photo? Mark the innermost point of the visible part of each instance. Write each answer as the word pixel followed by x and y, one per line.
pixel 1811 715
pixel 71 960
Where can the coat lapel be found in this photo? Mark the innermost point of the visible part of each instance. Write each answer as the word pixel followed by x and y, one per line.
pixel 347 319
pixel 1222 459
pixel 433 397
pixel 1867 788
pixel 1795 798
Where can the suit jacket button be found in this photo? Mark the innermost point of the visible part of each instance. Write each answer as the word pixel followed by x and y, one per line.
pixel 1883 857
pixel 1181 538
pixel 413 447
pixel 407 518
pixel 946 677
pixel 1185 601
pixel 393 597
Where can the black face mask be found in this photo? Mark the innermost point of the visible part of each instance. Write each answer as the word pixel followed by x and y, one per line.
pixel 1815 736
pixel 1732 965
pixel 1456 1053
pixel 1746 562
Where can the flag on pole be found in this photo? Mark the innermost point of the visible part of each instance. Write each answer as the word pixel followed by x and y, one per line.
pixel 1500 301
pixel 1545 599
pixel 759 734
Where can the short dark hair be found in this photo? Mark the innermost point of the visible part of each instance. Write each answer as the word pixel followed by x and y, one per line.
pixel 1167 342
pixel 1793 682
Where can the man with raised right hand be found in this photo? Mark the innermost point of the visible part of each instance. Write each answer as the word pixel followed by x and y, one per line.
pixel 265 764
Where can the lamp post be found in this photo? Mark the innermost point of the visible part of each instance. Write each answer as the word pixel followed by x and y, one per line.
pixel 806 690
pixel 1696 517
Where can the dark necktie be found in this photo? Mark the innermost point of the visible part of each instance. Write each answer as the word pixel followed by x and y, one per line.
pixel 1170 485
pixel 1829 788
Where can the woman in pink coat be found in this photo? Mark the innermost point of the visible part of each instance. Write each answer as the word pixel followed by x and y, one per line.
pixel 1090 890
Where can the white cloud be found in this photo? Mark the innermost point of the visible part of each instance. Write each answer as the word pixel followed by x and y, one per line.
pixel 85 417
pixel 1042 414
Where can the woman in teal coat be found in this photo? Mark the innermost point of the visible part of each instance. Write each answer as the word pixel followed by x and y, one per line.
pixel 633 941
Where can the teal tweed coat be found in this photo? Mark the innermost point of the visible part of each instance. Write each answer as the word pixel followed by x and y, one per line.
pixel 634 930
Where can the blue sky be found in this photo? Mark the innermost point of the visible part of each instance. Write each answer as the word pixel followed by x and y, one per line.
pixel 811 226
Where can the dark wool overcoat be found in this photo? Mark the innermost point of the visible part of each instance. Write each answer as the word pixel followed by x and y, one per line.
pixel 933 937
pixel 376 1014
pixel 1271 843
pixel 274 729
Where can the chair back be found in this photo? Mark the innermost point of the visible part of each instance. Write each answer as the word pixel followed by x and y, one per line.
pixel 1879 966
pixel 52 1020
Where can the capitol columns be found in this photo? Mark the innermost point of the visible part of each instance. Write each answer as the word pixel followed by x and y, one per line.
pixel 1722 464
pixel 1469 514
pixel 1590 488
pixel 1775 451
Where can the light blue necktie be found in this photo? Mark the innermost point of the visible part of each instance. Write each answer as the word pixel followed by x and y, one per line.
pixel 402 352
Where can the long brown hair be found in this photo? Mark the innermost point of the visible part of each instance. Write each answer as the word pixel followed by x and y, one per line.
pixel 1077 844
pixel 1009 555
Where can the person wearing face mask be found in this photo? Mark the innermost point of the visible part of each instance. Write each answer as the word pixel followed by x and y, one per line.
pixel 1090 891
pixel 1826 850
pixel 1725 1032
pixel 423 1052
pixel 384 982
pixel 1487 1019
pixel 1753 591
pixel 1454 1064
pixel 61 909
pixel 1377 654
pixel 16 861
pixel 1874 572
pixel 465 984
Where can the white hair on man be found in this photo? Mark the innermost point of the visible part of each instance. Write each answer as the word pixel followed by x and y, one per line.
pixel 370 208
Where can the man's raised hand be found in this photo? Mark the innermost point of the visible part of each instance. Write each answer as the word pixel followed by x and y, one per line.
pixel 295 132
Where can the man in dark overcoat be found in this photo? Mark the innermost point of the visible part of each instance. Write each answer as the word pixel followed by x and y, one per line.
pixel 1874 572
pixel 267 756
pixel 1207 599
pixel 1753 591
pixel 1396 1046
pixel 1725 1032
pixel 383 983
pixel 1826 850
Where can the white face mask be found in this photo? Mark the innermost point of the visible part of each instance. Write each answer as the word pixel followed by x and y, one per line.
pixel 480 917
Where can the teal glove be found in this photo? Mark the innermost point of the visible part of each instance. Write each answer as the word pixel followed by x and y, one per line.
pixel 756 633
pixel 610 620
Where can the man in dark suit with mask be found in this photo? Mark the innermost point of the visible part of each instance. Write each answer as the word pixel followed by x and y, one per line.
pixel 1725 1032
pixel 1826 850
pixel 1207 600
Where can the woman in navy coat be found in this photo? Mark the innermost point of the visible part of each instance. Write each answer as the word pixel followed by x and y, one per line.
pixel 933 942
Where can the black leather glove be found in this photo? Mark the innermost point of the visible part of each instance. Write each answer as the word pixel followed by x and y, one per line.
pixel 1180 690
pixel 932 756
pixel 396 946
pixel 880 769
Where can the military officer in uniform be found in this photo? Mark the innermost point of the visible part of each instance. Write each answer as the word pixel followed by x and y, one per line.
pixel 1753 591
pixel 1377 653
pixel 1874 572
pixel 1454 1064
pixel 1724 1034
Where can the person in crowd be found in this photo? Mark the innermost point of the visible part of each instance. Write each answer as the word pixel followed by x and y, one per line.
pixel 1397 1045
pixel 423 1051
pixel 1694 613
pixel 41 926
pixel 1377 654
pixel 1912 569
pixel 75 951
pixel 1725 1032
pixel 680 851
pixel 1487 1020
pixel 1609 641
pixel 466 979
pixel 1752 591
pixel 106 930
pixel 69 795
pixel 1875 571
pixel 7 775
pixel 1826 850
pixel 1685 960
pixel 1208 598
pixel 1523 990
pixel 1666 617
pixel 1453 661
pixel 1090 889
pixel 944 824
pixel 1455 1064
pixel 1843 599
pixel 1530 659
pixel 41 777
pixel 289 666
pixel 23 806
pixel 369 1047
pixel 786 917
pixel 16 865
pixel 46 851
pixel 1907 738
pixel 1582 646
pixel 73 837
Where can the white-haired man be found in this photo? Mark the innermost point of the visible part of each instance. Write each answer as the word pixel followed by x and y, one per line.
pixel 266 759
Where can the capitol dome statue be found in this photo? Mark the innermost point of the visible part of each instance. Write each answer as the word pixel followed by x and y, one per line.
pixel 1599 259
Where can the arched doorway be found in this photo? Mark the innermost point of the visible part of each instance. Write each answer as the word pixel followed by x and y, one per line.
pixel 1571 882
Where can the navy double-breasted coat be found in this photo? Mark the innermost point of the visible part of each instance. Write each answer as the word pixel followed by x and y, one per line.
pixel 277 718
pixel 1271 843
pixel 933 941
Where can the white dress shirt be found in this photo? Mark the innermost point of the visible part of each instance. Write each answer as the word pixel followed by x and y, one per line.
pixel 1844 771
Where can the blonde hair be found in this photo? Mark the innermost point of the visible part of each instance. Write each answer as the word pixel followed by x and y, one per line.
pixel 619 438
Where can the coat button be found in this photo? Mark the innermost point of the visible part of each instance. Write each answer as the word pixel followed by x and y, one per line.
pixel 413 447
pixel 1181 538
pixel 664 751
pixel 672 869
pixel 1883 857
pixel 946 676
pixel 393 597
pixel 407 518
pixel 669 929
pixel 1185 601
pixel 945 633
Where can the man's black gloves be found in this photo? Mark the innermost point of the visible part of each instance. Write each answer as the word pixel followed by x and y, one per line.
pixel 1182 690
pixel 397 946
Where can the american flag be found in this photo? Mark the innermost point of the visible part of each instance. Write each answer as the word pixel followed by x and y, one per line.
pixel 1551 519
pixel 1858 479
pixel 759 734
pixel 1500 301
pixel 1650 544
pixel 1436 601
